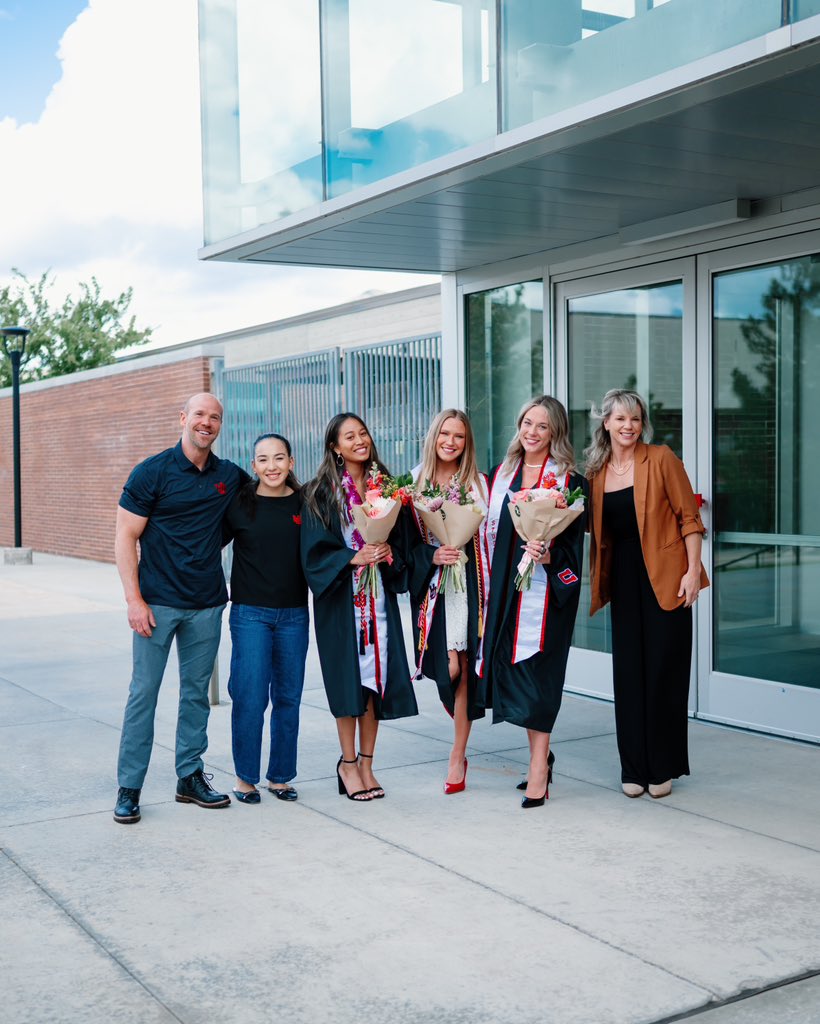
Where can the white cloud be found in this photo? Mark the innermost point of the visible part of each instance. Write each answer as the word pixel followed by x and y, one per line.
pixel 108 182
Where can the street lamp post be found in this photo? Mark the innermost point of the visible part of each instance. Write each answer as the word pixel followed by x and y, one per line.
pixel 14 344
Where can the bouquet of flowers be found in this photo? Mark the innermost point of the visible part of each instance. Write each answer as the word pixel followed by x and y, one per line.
pixel 452 516
pixel 375 517
pixel 539 514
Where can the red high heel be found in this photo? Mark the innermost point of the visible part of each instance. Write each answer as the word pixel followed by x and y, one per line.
pixel 457 787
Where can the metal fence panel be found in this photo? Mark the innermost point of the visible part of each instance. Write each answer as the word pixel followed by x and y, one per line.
pixel 396 389
pixel 294 396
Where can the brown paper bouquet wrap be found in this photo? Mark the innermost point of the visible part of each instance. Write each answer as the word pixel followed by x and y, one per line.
pixel 453 526
pixel 537 518
pixel 374 523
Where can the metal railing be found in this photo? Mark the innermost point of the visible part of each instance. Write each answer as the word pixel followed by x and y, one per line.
pixel 395 387
pixel 294 396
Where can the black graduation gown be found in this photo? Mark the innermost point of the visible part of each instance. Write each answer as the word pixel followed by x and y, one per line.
pixel 529 693
pixel 326 561
pixel 435 663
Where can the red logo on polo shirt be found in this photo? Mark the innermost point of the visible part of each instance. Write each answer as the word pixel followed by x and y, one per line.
pixel 297 520
pixel 567 576
pixel 221 488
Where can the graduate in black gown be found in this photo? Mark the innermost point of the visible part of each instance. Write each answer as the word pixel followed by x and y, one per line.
pixel 361 641
pixel 446 620
pixel 527 635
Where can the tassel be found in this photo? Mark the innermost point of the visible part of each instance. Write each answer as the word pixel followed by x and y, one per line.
pixel 372 630
pixel 362 640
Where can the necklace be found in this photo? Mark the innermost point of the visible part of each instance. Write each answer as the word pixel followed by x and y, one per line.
pixel 533 465
pixel 621 472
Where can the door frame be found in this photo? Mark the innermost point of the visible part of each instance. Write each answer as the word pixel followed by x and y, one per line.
pixel 590 672
pixel 764 705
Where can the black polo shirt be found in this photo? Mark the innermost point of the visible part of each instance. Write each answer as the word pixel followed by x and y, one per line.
pixel 181 546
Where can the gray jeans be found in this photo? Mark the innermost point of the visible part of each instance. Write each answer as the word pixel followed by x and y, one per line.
pixel 197 634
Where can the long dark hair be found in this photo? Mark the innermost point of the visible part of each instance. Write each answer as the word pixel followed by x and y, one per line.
pixel 247 493
pixel 323 494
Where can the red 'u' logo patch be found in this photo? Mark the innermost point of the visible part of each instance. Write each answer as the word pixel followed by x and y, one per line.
pixel 567 576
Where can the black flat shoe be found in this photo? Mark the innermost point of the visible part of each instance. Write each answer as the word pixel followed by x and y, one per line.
pixel 127 811
pixel 550 762
pixel 284 794
pixel 252 797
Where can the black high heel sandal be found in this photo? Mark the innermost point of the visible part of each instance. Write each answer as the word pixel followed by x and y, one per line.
pixel 377 793
pixel 550 762
pixel 343 788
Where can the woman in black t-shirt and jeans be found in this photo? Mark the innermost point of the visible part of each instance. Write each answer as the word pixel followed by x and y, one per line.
pixel 268 619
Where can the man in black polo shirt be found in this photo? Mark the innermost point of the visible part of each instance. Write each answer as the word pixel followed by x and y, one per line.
pixel 172 504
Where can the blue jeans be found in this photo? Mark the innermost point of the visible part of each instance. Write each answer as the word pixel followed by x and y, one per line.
pixel 197 634
pixel 267 663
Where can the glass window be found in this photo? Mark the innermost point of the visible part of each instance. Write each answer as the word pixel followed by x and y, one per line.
pixel 505 362
pixel 261 112
pixel 766 492
pixel 404 83
pixel 804 9
pixel 560 53
pixel 630 338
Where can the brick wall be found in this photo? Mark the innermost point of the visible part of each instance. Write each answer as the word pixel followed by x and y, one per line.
pixel 80 439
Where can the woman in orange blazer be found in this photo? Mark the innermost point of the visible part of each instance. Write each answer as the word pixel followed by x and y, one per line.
pixel 646 535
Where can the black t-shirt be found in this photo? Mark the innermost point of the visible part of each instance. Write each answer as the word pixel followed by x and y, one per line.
pixel 267 569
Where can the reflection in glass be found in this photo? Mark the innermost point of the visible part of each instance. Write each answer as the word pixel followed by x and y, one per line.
pixel 766 491
pixel 631 338
pixel 559 53
pixel 261 112
pixel 505 362
pixel 404 83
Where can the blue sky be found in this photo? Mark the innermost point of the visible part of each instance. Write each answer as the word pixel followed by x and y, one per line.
pixel 101 175
pixel 30 33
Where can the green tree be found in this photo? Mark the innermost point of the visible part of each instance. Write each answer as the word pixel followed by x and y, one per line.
pixel 80 334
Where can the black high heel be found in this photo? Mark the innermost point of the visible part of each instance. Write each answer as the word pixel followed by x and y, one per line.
pixel 343 788
pixel 550 763
pixel 529 801
pixel 377 793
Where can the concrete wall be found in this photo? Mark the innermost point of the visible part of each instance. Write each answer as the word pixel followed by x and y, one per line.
pixel 407 314
pixel 81 436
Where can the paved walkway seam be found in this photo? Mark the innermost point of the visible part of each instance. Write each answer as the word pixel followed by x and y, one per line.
pixel 511 899
pixel 88 931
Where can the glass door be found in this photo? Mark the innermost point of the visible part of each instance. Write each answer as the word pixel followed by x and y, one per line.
pixel 632 329
pixel 762 667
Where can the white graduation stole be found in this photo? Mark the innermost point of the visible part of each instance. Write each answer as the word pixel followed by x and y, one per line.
pixel 530 605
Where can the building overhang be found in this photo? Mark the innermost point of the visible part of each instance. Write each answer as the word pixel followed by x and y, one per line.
pixel 739 127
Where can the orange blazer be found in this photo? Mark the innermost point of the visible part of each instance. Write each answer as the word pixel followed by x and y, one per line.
pixel 667 511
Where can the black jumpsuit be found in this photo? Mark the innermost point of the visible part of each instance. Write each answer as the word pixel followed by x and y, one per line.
pixel 651 658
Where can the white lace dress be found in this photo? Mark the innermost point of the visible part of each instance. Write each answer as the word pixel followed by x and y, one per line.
pixel 455 602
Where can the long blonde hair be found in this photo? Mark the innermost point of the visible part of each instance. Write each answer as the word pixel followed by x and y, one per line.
pixel 560 447
pixel 600 448
pixel 468 474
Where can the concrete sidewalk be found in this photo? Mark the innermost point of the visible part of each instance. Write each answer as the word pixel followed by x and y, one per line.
pixel 416 908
